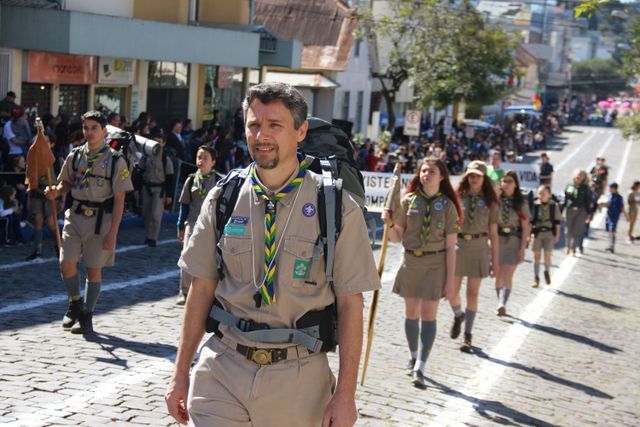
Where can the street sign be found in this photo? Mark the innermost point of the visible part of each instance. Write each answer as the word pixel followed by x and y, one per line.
pixel 412 123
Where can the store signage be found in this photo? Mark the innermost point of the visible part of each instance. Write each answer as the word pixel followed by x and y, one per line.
pixel 116 71
pixel 412 123
pixel 45 67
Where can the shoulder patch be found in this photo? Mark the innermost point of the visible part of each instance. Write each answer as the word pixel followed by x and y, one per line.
pixel 124 174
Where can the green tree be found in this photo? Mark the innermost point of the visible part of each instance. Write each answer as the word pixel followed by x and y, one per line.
pixel 603 77
pixel 445 49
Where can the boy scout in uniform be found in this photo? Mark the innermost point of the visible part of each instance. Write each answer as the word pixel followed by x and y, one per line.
pixel 196 187
pixel 577 200
pixel 157 189
pixel 475 259
pixel 427 224
pixel 545 224
pixel 40 211
pixel 98 179
pixel 239 380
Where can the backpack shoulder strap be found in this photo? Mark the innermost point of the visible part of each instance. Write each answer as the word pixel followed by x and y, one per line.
pixel 115 156
pixel 75 159
pixel 330 211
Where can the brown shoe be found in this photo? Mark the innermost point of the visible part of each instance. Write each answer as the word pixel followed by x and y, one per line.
pixel 547 278
pixel 86 324
pixel 536 282
pixel 466 346
pixel 455 328
pixel 501 311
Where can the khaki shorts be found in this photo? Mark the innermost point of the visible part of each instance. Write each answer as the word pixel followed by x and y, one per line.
pixel 508 248
pixel 472 258
pixel 544 240
pixel 79 239
pixel 422 277
pixel 39 206
pixel 226 389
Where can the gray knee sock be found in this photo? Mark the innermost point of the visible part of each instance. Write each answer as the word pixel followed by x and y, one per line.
pixel 91 294
pixel 427 337
pixel 547 267
pixel 469 317
pixel 498 292
pixel 73 286
pixel 536 269
pixel 412 331
pixel 504 296
pixel 457 310
pixel 37 239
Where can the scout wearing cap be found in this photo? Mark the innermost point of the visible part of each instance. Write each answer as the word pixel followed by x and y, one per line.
pixel 474 258
pixel 97 178
pixel 427 223
pixel 514 229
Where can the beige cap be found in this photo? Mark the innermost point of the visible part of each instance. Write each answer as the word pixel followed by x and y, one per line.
pixel 478 167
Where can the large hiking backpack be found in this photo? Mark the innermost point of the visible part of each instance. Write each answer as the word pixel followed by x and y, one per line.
pixel 124 142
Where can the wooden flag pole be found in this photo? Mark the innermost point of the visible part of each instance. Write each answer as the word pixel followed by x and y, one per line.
pixel 54 209
pixel 383 254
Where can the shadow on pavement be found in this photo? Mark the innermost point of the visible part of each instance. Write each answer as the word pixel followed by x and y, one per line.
pixel 547 376
pixel 493 410
pixel 111 343
pixel 582 298
pixel 568 335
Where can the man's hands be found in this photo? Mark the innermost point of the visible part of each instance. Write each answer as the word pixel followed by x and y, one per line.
pixel 109 241
pixel 341 411
pixel 52 192
pixel 176 397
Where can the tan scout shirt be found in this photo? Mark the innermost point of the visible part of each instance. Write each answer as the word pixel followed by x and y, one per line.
pixel 444 218
pixel 544 214
pixel 101 185
pixel 243 250
pixel 513 218
pixel 483 216
pixel 191 196
pixel 154 171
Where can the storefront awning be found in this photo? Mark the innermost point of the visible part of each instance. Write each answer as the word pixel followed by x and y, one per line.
pixel 81 33
pixel 300 80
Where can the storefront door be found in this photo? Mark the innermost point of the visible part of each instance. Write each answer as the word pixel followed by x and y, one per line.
pixel 73 101
pixel 110 99
pixel 36 98
pixel 165 105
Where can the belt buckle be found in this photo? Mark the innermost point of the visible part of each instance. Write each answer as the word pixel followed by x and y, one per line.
pixel 261 356
pixel 418 253
pixel 467 237
pixel 507 229
pixel 88 212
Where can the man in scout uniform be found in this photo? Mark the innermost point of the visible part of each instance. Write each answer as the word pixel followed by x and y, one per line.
pixel 98 178
pixel 157 188
pixel 268 284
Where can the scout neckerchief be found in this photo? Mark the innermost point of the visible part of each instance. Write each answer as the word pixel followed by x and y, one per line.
pixel 426 222
pixel 473 201
pixel 267 290
pixel 544 213
pixel 91 158
pixel 507 204
pixel 200 181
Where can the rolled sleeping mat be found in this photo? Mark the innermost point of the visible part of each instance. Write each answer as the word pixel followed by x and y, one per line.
pixel 148 147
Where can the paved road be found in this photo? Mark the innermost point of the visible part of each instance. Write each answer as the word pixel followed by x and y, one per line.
pixel 565 355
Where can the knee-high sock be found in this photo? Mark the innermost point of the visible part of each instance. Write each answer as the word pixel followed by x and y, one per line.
pixel 504 296
pixel 37 239
pixel 457 310
pixel 498 292
pixel 427 338
pixel 91 294
pixel 469 317
pixel 73 287
pixel 536 269
pixel 412 331
pixel 547 267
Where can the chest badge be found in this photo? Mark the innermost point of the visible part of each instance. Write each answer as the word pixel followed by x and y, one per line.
pixel 481 203
pixel 438 206
pixel 308 210
pixel 300 269
pixel 100 181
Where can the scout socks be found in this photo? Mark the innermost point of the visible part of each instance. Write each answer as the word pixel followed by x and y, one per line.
pixel 73 287
pixel 91 293
pixel 427 337
pixel 457 310
pixel 412 330
pixel 536 268
pixel 37 239
pixel 469 317
pixel 504 296
pixel 498 292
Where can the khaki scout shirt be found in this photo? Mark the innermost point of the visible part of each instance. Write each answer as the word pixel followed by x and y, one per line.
pixel 191 196
pixel 242 246
pixel 483 216
pixel 154 171
pixel 513 219
pixel 410 216
pixel 544 214
pixel 102 186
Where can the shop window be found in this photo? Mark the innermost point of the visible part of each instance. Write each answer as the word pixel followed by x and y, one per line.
pixel 345 105
pixel 73 101
pixel 110 99
pixel 36 98
pixel 163 74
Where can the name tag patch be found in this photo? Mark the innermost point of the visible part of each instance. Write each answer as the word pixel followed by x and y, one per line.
pixel 239 220
pixel 234 230
pixel 300 268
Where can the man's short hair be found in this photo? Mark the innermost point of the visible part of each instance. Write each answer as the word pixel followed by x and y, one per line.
pixel 290 97
pixel 613 185
pixel 96 116
pixel 11 94
pixel 544 155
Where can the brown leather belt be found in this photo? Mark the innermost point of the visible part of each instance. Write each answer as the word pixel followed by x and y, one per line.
pixel 469 236
pixel 425 253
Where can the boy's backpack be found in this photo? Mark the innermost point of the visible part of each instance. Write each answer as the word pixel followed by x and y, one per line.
pixel 124 142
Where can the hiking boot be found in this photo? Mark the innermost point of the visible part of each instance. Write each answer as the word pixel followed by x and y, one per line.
pixel 501 311
pixel 411 364
pixel 547 278
pixel 35 255
pixel 455 328
pixel 536 282
pixel 182 299
pixel 73 313
pixel 151 243
pixel 419 380
pixel 466 346
pixel 86 324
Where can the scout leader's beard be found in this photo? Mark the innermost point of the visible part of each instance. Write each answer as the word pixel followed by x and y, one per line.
pixel 266 156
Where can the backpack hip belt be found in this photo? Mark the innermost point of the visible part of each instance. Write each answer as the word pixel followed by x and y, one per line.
pixel 150 185
pixel 89 209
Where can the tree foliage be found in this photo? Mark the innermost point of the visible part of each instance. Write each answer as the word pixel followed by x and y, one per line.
pixel 447 50
pixel 604 77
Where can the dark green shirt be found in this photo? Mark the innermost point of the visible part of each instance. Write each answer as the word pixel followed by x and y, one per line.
pixel 576 196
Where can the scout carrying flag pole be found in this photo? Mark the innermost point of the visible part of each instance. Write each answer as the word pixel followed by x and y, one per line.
pixel 40 160
pixel 394 193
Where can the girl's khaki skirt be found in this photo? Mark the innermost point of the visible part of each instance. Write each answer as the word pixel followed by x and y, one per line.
pixel 508 249
pixel 472 258
pixel 422 277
